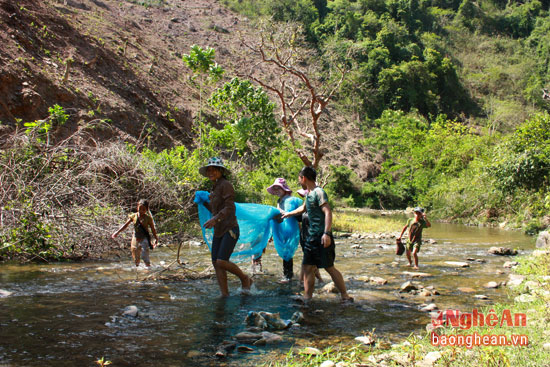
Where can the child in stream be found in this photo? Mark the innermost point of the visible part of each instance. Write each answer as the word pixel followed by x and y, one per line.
pixel 415 226
pixel 141 239
pixel 281 190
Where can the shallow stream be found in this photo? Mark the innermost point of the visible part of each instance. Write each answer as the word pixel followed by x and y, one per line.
pixel 72 314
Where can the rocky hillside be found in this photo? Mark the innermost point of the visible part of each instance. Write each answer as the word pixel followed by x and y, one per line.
pixel 119 63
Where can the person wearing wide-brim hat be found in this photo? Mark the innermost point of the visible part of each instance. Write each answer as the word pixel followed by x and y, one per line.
pixel 224 222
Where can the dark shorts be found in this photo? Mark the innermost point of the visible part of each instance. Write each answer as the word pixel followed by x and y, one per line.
pixel 316 254
pixel 222 247
pixel 414 245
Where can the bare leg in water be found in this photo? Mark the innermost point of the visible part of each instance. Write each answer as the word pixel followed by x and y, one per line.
pixel 222 267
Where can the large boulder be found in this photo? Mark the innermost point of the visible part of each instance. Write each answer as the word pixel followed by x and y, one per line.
pixel 543 239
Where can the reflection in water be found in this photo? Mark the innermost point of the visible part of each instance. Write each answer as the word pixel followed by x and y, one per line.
pixel 72 314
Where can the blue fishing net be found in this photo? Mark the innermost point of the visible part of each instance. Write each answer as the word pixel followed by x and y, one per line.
pixel 256 225
pixel 286 235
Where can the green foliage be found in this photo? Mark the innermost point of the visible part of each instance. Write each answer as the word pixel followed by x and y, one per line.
pixel 41 128
pixel 420 158
pixel 201 61
pixel 344 183
pixel 31 238
pixel 523 160
pixel 247 115
pixel 58 115
pixel 252 182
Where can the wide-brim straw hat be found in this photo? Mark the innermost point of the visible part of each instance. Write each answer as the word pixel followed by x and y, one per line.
pixel 279 182
pixel 214 162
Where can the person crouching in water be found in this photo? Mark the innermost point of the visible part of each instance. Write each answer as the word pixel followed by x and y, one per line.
pixel 224 222
pixel 319 249
pixel 141 239
pixel 415 226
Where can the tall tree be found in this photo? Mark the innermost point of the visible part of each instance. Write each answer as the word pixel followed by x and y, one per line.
pixel 303 83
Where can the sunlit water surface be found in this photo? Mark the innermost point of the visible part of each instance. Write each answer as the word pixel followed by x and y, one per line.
pixel 71 314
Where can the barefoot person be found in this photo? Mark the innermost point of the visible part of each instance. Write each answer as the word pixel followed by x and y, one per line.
pixel 283 192
pixel 415 226
pixel 224 222
pixel 304 228
pixel 319 248
pixel 141 239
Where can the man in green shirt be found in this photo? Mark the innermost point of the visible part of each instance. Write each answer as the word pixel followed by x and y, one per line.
pixel 319 248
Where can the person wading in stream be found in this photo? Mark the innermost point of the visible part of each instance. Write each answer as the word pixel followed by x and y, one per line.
pixel 224 222
pixel 319 248
pixel 415 226
pixel 281 190
pixel 141 240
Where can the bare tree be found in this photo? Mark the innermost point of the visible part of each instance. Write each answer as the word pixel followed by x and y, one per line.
pixel 303 83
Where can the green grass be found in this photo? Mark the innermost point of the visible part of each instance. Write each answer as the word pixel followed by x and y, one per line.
pixel 348 221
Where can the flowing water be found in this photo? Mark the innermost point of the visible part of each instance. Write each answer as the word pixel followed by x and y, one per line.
pixel 72 314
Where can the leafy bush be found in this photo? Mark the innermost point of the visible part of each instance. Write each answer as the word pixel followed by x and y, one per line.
pixel 523 160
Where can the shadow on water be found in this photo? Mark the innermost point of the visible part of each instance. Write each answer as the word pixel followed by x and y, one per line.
pixel 72 314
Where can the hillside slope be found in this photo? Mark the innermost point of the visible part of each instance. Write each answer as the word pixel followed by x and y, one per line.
pixel 119 62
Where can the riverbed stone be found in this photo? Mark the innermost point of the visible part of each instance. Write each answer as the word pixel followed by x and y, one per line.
pixel 430 359
pixel 531 285
pixel 492 285
pixel 407 287
pixel 428 308
pixel 311 351
pixel 330 288
pixel 425 293
pixel 525 298
pixel 225 347
pixel 466 289
pixel 297 317
pixel 416 274
pixel 367 340
pixel 543 239
pixel 268 338
pixel 502 251
pixel 377 280
pixel 481 296
pixel 510 264
pixel 5 293
pixel 384 358
pixel 244 349
pixel 247 337
pixel 458 264
pixel 327 364
pixel 131 311
pixel 515 280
